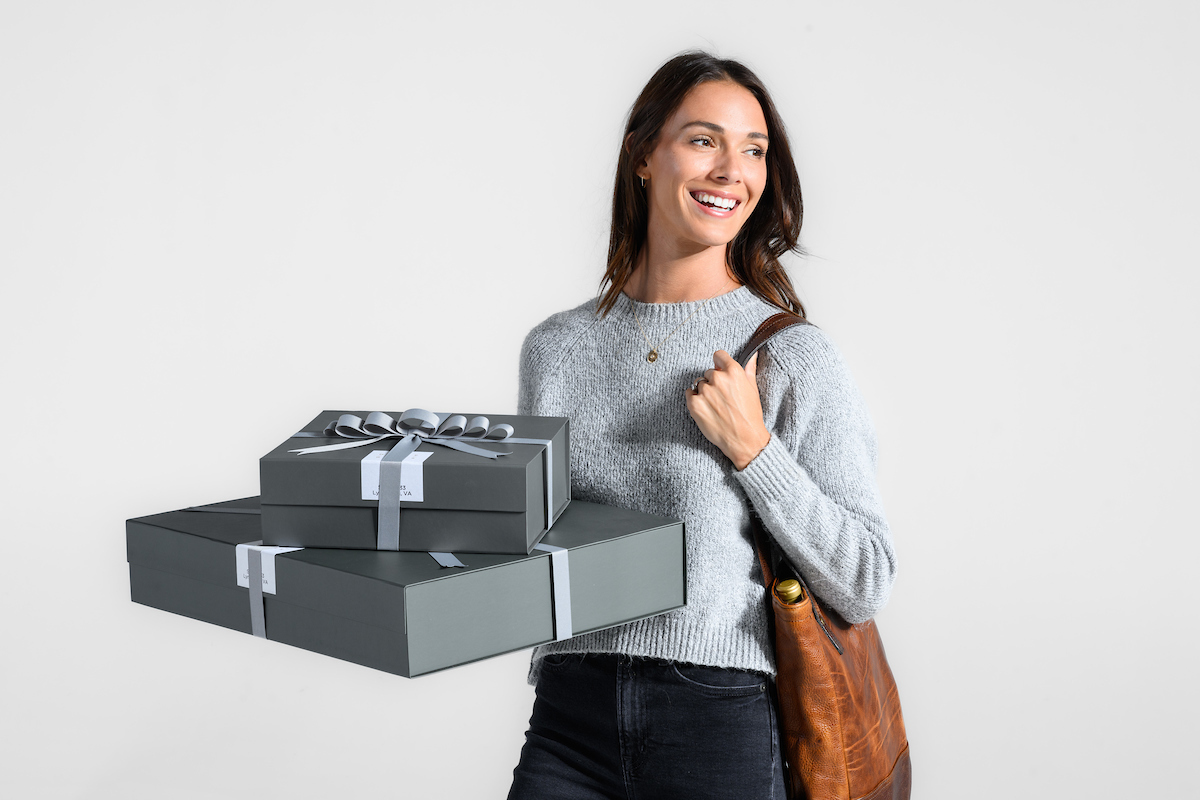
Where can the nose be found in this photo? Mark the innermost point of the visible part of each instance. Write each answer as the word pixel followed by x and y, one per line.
pixel 726 168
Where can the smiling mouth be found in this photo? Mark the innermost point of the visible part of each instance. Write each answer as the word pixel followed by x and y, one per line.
pixel 712 201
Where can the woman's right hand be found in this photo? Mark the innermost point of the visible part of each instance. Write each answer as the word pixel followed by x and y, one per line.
pixel 728 410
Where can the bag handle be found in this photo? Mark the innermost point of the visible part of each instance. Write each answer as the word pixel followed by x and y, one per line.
pixel 763 334
pixel 763 547
pixel 766 331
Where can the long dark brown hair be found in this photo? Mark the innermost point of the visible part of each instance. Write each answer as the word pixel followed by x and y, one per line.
pixel 773 227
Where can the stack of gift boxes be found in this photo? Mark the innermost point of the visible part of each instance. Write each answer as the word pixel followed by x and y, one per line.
pixel 410 543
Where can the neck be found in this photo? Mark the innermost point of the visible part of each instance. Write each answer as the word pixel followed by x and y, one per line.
pixel 682 279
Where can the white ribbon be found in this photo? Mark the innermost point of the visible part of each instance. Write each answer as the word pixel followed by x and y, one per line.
pixel 560 579
pixel 446 559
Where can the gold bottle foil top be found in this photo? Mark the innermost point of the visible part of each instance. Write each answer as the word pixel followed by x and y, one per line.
pixel 788 591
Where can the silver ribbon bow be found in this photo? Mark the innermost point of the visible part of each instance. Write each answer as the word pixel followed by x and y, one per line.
pixel 414 426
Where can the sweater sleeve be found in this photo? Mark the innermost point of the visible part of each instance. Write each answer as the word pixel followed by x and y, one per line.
pixel 527 375
pixel 814 483
pixel 545 349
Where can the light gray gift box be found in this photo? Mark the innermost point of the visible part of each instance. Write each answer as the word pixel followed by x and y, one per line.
pixel 469 502
pixel 400 611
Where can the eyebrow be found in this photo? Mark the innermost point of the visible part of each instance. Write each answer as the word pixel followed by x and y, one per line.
pixel 712 126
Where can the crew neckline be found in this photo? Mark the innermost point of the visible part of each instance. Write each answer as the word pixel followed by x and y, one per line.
pixel 722 305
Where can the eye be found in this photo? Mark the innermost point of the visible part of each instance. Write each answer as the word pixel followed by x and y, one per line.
pixel 757 152
pixel 702 140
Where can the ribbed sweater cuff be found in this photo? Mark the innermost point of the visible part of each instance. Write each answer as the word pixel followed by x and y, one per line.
pixel 773 475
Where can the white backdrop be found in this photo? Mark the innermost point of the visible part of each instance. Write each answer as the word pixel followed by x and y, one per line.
pixel 218 218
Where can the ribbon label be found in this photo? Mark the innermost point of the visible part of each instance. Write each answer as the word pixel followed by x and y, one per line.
pixel 268 564
pixel 412 476
pixel 369 468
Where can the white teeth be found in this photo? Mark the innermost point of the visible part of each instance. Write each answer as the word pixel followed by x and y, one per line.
pixel 713 200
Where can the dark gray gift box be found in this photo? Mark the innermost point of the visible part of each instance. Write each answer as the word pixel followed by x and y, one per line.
pixel 470 503
pixel 399 611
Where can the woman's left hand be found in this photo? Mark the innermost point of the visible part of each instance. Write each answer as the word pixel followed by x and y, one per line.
pixel 728 410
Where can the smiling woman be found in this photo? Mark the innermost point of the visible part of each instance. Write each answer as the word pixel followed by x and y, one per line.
pixel 664 420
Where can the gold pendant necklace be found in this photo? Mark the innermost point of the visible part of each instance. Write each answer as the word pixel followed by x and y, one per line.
pixel 652 356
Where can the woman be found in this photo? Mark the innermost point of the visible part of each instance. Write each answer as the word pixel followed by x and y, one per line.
pixel 663 420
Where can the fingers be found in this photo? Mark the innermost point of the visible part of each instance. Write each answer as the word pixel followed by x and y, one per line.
pixel 725 369
pixel 722 362
pixel 725 363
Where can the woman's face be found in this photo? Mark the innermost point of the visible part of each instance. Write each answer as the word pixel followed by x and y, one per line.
pixel 708 168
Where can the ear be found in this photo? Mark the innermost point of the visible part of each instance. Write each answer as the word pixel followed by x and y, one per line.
pixel 640 169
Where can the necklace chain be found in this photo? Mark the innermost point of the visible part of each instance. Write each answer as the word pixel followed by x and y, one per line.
pixel 652 356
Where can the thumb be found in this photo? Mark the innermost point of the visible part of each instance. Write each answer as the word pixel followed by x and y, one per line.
pixel 752 365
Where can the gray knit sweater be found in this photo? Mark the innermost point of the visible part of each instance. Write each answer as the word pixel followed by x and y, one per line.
pixel 634 445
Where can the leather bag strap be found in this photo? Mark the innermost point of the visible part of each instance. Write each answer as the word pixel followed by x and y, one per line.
pixel 766 331
pixel 763 547
pixel 763 334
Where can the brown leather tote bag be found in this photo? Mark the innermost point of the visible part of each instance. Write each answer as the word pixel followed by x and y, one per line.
pixel 839 711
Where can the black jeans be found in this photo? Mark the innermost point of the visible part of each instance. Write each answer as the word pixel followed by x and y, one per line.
pixel 614 726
